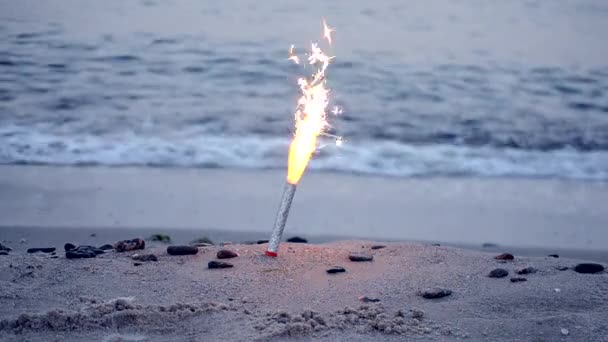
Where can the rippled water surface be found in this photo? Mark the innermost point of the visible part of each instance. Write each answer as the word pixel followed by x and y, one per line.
pixel 468 88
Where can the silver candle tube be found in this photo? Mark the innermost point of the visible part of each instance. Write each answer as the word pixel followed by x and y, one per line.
pixel 279 225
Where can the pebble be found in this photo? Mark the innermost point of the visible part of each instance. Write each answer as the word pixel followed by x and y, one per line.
pixel 5 248
pixel 106 247
pixel 588 268
pixel 3 252
pixel 219 264
pixel 182 250
pixel 378 246
pixel 137 264
pixel 358 257
pixel 226 254
pixel 69 246
pixel 553 255
pixel 336 269
pixel 504 256
pixel 81 252
pixel 565 331
pixel 42 250
pixel 518 279
pixel 417 313
pixel 129 245
pixel 527 270
pixel 297 239
pixel 23 241
pixel 498 273
pixel 436 244
pixel 144 257
pixel 435 293
pixel 561 268
pixel 366 299
pixel 259 242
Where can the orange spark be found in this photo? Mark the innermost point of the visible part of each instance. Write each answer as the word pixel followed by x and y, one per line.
pixel 310 115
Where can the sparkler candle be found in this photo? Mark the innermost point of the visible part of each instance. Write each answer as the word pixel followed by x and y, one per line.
pixel 310 122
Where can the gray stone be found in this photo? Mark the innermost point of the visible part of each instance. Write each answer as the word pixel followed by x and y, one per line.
pixel 226 254
pixel 434 293
pixel 219 264
pixel 498 273
pixel 336 269
pixel 588 268
pixel 182 250
pixel 359 257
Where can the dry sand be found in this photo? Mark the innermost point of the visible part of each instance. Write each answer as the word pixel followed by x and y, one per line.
pixel 292 297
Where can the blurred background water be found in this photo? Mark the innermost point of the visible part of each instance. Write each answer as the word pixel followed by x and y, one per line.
pixel 442 87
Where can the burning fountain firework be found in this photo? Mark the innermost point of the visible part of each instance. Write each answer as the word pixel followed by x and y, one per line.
pixel 311 121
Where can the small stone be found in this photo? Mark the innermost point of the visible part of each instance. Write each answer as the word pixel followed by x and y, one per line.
pixel 518 279
pixel 23 241
pixel 80 254
pixel 93 235
pixel 144 257
pixel 498 273
pixel 434 293
pixel 417 313
pixel 226 254
pixel 527 270
pixel 297 239
pixel 378 246
pixel 182 250
pixel 504 256
pixel 588 268
pixel 137 264
pixel 366 299
pixel 203 239
pixel 69 246
pixel 436 245
pixel 561 268
pixel 160 238
pixel 260 242
pixel 3 252
pixel 359 257
pixel 553 255
pixel 41 250
pixel 106 247
pixel 219 264
pixel 565 331
pixel 5 248
pixel 489 245
pixel 129 245
pixel 336 269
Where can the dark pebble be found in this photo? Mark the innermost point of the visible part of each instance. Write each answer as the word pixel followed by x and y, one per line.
pixel 436 245
pixel 378 246
pixel 527 270
pixel 498 273
pixel 297 239
pixel 42 250
pixel 518 279
pixel 106 247
pixel 93 235
pixel 588 268
pixel 219 264
pixel 84 254
pixel 69 246
pixel 553 255
pixel 3 252
pixel 93 249
pixel 358 257
pixel 144 257
pixel 226 254
pixel 259 242
pixel 5 248
pixel 182 250
pixel 336 269
pixel 137 264
pixel 489 245
pixel 366 299
pixel 435 293
pixel 561 268
pixel 504 256
pixel 129 245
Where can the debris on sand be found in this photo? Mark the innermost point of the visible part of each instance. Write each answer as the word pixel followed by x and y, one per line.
pixel 145 257
pixel 504 256
pixel 498 273
pixel 553 255
pixel 226 254
pixel 182 250
pixel 434 293
pixel 219 264
pixel 336 269
pixel 527 270
pixel 297 239
pixel 378 247
pixel 588 268
pixel 518 279
pixel 83 252
pixel 129 245
pixel 360 257
pixel 106 247
pixel 5 248
pixel 366 299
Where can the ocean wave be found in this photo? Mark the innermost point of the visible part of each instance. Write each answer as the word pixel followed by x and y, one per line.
pixel 372 157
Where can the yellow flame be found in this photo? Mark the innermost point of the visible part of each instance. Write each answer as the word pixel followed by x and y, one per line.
pixel 310 115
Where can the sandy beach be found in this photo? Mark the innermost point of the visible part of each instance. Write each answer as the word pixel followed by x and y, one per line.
pixel 114 298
